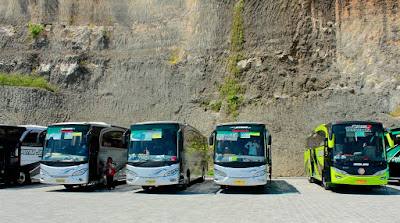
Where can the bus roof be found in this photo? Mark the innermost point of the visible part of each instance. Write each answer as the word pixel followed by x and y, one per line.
pixel 34 127
pixel 355 122
pixel 102 124
pixel 160 122
pixel 240 123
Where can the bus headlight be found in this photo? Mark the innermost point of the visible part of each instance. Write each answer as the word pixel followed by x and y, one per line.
pixel 260 173
pixel 44 172
pixel 381 172
pixel 219 173
pixel 339 171
pixel 171 172
pixel 80 172
pixel 130 172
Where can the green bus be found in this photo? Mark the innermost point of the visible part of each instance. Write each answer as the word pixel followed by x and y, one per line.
pixel 349 152
pixel 393 153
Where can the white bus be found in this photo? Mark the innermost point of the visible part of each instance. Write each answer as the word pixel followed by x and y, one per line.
pixel 242 154
pixel 75 153
pixel 20 153
pixel 165 153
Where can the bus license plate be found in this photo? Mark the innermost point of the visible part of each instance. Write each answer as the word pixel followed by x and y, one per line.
pixel 60 180
pixel 240 182
pixel 150 181
pixel 361 181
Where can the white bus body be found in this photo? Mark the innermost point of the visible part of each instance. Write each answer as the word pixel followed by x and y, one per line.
pixel 91 144
pixel 242 154
pixel 165 153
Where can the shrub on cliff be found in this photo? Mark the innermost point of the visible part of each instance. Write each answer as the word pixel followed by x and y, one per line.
pixel 26 81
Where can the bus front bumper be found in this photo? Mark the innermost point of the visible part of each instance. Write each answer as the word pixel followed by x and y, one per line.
pixel 152 176
pixel 253 176
pixel 373 180
pixel 73 175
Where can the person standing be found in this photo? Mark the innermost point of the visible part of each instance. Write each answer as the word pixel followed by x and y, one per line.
pixel 252 147
pixel 110 170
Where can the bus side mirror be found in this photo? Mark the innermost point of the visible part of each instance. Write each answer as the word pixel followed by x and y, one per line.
pixel 211 140
pixel 88 139
pixel 389 139
pixel 40 137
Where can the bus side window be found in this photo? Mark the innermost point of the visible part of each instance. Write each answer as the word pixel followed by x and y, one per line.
pixel 113 139
pixel 30 140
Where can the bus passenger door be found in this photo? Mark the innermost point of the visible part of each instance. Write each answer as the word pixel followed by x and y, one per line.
pixel 112 145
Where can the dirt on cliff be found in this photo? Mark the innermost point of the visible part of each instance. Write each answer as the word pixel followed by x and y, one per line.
pixel 290 64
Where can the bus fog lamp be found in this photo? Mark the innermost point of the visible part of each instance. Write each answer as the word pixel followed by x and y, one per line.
pixel 80 172
pixel 260 173
pixel 219 173
pixel 171 172
pixel 382 178
pixel 338 177
pixel 172 179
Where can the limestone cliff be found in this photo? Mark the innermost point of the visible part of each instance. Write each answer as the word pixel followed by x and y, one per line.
pixel 296 64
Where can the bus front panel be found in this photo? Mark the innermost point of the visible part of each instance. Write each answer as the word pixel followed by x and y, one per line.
pixel 358 155
pixel 240 155
pixel 65 155
pixel 153 157
pixel 249 176
pixel 65 175
pixel 152 176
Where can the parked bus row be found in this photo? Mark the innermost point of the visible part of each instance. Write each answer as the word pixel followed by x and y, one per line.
pixel 149 154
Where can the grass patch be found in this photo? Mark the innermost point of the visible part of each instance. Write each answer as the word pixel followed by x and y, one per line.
pixel 34 30
pixel 396 113
pixel 173 59
pixel 237 32
pixel 210 172
pixel 26 81
pixel 216 106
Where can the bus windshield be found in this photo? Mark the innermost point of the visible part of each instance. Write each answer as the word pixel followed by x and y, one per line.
pixel 153 143
pixel 66 143
pixel 356 142
pixel 243 145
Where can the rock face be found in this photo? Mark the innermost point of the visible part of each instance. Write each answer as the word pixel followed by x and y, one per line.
pixel 302 63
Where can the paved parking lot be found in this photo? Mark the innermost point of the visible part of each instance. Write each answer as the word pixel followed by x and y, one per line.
pixel 283 200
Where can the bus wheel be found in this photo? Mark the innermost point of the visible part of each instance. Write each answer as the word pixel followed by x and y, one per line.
pixel 68 187
pixel 146 188
pixel 188 179
pixel 326 185
pixel 23 178
pixel 203 175
pixel 224 187
pixel 310 179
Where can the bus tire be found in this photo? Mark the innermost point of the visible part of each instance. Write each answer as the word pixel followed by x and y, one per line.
pixel 188 179
pixel 68 186
pixel 326 185
pixel 23 177
pixel 311 179
pixel 203 175
pixel 224 187
pixel 146 188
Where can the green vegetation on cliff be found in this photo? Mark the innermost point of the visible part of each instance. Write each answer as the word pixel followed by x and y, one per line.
pixel 34 30
pixel 26 81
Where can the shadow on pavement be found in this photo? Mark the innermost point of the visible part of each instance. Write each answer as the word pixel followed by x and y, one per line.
pixel 273 187
pixel 92 188
pixel 25 186
pixel 366 190
pixel 196 187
